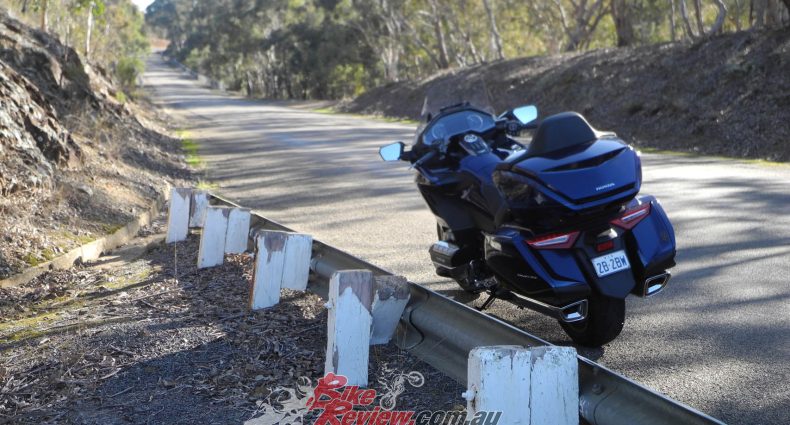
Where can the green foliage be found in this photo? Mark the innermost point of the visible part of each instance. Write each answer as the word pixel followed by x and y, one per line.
pixel 190 148
pixel 117 39
pixel 347 80
pixel 128 69
pixel 121 97
pixel 339 48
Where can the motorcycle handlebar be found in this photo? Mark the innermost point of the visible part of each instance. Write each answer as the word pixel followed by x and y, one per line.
pixel 424 159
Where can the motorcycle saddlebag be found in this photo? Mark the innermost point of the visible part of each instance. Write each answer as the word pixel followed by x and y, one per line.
pixel 654 240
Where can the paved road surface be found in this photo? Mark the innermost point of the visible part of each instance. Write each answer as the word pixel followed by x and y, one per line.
pixel 717 339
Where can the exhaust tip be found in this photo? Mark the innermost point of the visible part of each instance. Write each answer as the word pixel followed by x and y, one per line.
pixel 655 284
pixel 574 312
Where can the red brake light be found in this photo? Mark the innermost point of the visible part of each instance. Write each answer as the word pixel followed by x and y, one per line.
pixel 632 216
pixel 604 246
pixel 554 241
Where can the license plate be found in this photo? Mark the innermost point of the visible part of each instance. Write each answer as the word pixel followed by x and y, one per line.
pixel 611 263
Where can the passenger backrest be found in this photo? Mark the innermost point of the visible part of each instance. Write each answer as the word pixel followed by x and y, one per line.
pixel 559 132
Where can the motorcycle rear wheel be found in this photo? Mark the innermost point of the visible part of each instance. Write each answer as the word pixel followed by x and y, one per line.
pixel 604 322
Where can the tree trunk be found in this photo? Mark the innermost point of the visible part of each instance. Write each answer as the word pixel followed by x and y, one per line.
pixel 88 31
pixel 441 42
pixel 586 19
pixel 496 39
pixel 44 21
pixel 623 24
pixel 698 16
pixel 686 21
pixel 472 49
pixel 469 53
pixel 773 15
pixel 458 53
pixel 672 20
pixel 392 50
pixel 390 56
pixel 719 23
pixel 758 7
pixel 736 17
pixel 421 44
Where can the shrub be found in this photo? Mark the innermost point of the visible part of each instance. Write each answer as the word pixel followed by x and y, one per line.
pixel 127 70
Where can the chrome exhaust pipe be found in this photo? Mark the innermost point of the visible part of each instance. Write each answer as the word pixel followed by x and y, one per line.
pixel 573 312
pixel 655 284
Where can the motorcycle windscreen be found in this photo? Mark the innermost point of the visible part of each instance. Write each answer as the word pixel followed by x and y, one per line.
pixel 443 94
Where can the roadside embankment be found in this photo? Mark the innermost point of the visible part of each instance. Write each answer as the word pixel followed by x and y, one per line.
pixel 728 95
pixel 78 158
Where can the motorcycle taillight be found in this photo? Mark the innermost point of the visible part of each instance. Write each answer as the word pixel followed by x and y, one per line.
pixel 632 216
pixel 554 241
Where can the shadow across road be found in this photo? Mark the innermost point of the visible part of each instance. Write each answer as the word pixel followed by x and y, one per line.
pixel 716 338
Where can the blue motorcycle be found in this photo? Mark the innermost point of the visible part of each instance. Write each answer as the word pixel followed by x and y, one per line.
pixel 555 225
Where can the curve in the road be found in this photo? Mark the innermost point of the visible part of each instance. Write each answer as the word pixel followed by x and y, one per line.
pixel 718 338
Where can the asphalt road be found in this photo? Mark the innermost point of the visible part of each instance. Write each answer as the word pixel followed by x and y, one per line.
pixel 718 338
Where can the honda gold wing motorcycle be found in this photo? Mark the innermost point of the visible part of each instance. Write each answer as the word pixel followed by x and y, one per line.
pixel 556 225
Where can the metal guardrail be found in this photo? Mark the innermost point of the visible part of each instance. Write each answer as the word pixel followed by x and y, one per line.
pixel 441 332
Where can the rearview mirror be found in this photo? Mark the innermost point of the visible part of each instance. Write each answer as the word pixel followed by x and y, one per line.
pixel 391 152
pixel 526 114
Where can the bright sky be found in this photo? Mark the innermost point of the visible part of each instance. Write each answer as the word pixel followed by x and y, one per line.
pixel 142 4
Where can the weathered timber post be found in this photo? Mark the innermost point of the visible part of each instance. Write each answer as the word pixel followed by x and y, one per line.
pixel 178 215
pixel 269 266
pixel 530 386
pixel 212 240
pixel 238 231
pixel 350 319
pixel 197 209
pixel 389 300
pixel 298 252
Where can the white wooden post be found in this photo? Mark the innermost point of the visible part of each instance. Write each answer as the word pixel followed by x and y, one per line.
pixel 197 209
pixel 268 274
pixel 529 386
pixel 212 240
pixel 389 301
pixel 350 301
pixel 555 386
pixel 238 231
pixel 298 251
pixel 178 215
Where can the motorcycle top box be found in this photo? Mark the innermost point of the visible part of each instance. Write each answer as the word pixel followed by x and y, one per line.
pixel 557 225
